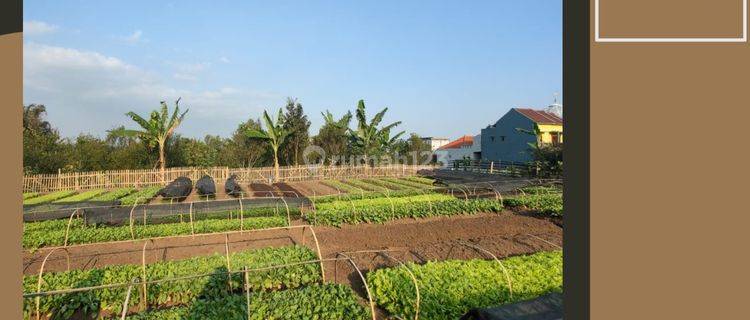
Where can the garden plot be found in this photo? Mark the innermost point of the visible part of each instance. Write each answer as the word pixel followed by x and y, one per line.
pixel 179 285
pixel 428 226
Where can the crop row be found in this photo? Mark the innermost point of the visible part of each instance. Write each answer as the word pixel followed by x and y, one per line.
pixel 448 289
pixel 83 196
pixel 180 292
pixel 369 195
pixel 317 301
pixel 544 203
pixel 382 183
pixel 114 194
pixel 49 197
pixel 408 183
pixel 142 196
pixel 29 195
pixel 360 184
pixel 541 189
pixel 383 209
pixel 419 179
pixel 52 233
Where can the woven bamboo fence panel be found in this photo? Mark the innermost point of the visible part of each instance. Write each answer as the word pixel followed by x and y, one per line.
pixel 154 177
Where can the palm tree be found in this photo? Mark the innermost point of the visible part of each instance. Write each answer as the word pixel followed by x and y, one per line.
pixel 274 133
pixel 368 137
pixel 157 130
pixel 341 123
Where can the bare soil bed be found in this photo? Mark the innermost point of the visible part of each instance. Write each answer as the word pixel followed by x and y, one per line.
pixel 504 234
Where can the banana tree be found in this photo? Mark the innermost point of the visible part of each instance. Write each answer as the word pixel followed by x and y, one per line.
pixel 156 130
pixel 274 133
pixel 368 138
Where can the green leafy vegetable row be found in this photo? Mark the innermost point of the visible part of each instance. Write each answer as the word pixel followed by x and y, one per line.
pixel 449 289
pixel 83 196
pixel 142 196
pixel 52 233
pixel 369 195
pixel 114 194
pixel 419 179
pixel 29 195
pixel 387 184
pixel 327 301
pixel 49 197
pixel 408 183
pixel 179 292
pixel 549 203
pixel 384 209
pixel 359 184
pixel 340 186
pixel 542 189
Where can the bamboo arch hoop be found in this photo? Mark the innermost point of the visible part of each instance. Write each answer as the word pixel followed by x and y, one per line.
pixel 502 266
pixel 364 282
pixel 67 230
pixel 143 272
pixel 408 271
pixel 39 281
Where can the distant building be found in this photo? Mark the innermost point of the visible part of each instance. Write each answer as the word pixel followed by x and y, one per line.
pixel 466 147
pixel 434 142
pixel 555 108
pixel 503 141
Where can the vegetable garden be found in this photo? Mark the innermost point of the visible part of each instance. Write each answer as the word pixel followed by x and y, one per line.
pixel 287 282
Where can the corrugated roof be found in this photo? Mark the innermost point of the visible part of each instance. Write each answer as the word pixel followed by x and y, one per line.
pixel 540 117
pixel 458 143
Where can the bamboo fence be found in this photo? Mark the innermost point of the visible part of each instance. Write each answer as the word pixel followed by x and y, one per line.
pixel 154 177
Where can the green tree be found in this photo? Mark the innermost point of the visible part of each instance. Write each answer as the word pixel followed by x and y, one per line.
pixel 91 154
pixel 368 139
pixel 129 152
pixel 297 125
pixel 332 135
pixel 274 133
pixel 157 130
pixel 43 149
pixel 245 151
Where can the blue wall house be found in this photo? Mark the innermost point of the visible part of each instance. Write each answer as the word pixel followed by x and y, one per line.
pixel 502 142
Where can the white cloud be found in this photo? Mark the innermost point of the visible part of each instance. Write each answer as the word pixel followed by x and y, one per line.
pixel 224 59
pixel 189 71
pixel 33 28
pixel 89 92
pixel 134 37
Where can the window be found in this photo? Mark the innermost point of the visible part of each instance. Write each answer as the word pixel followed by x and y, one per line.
pixel 492 138
pixel 502 138
pixel 555 137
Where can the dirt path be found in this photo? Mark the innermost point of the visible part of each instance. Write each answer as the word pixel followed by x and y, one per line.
pixel 420 240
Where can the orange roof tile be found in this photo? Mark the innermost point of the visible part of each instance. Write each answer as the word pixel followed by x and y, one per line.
pixel 458 143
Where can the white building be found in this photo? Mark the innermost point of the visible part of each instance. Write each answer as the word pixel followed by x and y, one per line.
pixel 434 142
pixel 466 147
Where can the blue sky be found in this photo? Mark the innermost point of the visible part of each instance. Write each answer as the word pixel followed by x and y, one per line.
pixel 444 68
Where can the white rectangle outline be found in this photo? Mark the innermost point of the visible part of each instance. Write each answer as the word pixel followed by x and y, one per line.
pixel 600 39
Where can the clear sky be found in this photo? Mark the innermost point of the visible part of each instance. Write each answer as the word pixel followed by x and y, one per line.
pixel 444 68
